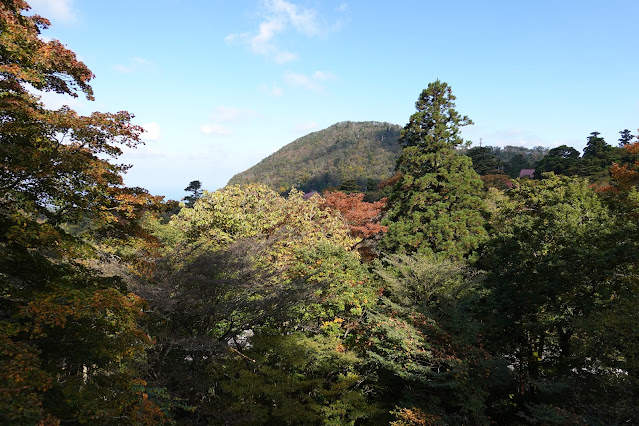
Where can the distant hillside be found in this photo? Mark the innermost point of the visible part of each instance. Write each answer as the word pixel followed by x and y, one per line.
pixel 353 154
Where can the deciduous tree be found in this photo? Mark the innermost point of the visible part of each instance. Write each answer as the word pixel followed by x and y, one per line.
pixel 561 277
pixel 71 335
pixel 362 217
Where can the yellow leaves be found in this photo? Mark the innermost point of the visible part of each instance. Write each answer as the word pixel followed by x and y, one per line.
pixel 286 225
pixel 414 417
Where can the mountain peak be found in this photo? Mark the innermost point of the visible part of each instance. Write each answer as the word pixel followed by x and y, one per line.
pixel 354 152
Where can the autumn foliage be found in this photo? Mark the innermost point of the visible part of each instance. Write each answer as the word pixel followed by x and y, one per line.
pixel 626 176
pixel 69 334
pixel 363 218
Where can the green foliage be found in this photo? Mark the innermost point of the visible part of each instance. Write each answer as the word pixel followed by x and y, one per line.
pixel 561 160
pixel 256 212
pixel 435 206
pixel 626 138
pixel 597 158
pixel 484 160
pixel 424 340
pixel 561 266
pixel 347 151
pixel 255 289
pixel 291 378
pixel 516 158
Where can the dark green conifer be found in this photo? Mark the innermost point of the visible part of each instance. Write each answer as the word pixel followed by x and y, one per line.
pixel 435 206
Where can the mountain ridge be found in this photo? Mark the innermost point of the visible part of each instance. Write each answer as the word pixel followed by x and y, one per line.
pixel 357 153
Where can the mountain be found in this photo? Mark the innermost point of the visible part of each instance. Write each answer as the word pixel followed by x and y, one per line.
pixel 351 155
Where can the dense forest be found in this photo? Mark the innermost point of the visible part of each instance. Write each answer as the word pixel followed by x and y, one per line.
pixel 455 299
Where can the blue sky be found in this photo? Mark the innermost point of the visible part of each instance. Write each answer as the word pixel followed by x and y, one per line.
pixel 220 84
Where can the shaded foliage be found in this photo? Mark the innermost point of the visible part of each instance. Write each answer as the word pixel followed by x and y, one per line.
pixel 71 335
pixel 561 266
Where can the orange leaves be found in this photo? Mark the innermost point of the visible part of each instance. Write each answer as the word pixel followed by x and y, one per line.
pixel 46 65
pixel 625 176
pixel 362 217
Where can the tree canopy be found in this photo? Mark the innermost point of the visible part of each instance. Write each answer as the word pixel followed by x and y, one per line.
pixel 435 206
pixel 70 334
pixel 452 301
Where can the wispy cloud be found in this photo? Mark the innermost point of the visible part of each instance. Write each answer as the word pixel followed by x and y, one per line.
pixel 54 9
pixel 273 90
pixel 134 64
pixel 310 82
pixel 54 100
pixel 278 17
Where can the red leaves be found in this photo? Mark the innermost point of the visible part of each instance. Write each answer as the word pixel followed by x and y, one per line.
pixel 624 176
pixel 362 217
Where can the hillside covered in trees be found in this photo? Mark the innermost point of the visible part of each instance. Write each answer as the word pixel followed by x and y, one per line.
pixel 360 153
pixel 450 302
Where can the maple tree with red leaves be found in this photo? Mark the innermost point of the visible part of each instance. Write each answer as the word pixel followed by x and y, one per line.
pixel 363 218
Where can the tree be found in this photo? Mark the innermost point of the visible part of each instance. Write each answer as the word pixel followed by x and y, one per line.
pixel 561 281
pixel 196 192
pixel 435 206
pixel 626 176
pixel 561 160
pixel 362 217
pixel 484 161
pixel 423 340
pixel 597 158
pixel 626 138
pixel 247 261
pixel 517 162
pixel 70 334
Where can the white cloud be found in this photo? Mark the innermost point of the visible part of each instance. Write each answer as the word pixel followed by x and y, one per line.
pixel 278 16
pixel 304 20
pixel 54 9
pixel 312 82
pixel 134 64
pixel 151 132
pixel 215 129
pixel 323 76
pixel 143 152
pixel 54 100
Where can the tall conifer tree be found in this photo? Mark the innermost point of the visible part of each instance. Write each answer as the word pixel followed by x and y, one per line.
pixel 435 206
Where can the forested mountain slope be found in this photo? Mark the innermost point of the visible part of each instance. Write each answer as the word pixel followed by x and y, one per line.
pixel 354 152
